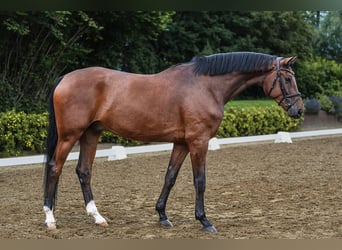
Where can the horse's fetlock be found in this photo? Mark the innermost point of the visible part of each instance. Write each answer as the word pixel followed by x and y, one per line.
pixel 199 216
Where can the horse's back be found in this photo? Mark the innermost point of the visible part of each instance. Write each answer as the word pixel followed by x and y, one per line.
pixel 90 85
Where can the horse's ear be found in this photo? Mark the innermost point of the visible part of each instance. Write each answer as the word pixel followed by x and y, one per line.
pixel 290 60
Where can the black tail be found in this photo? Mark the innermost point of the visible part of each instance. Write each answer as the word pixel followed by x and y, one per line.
pixel 52 136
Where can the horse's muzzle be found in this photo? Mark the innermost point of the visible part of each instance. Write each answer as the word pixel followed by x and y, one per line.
pixel 295 112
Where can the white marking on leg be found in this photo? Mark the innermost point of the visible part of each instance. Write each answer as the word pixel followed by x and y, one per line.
pixel 92 210
pixel 50 221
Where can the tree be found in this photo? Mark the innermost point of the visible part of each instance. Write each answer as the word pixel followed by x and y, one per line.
pixel 129 39
pixel 283 33
pixel 196 33
pixel 35 48
pixel 280 33
pixel 329 44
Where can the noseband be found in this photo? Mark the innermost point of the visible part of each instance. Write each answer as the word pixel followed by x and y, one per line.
pixel 286 96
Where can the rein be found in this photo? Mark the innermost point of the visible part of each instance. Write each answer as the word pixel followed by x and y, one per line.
pixel 285 95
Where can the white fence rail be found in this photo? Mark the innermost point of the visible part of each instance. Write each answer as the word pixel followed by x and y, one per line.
pixel 119 152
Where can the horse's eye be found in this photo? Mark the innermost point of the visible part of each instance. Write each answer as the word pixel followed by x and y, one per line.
pixel 288 79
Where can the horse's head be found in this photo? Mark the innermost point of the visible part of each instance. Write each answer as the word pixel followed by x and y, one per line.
pixel 280 84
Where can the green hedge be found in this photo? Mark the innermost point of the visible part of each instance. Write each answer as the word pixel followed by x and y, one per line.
pixel 256 121
pixel 21 132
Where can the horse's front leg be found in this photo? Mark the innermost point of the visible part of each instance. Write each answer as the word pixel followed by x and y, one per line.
pixel 179 152
pixel 198 153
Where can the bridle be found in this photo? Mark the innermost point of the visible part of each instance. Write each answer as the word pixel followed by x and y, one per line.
pixel 286 96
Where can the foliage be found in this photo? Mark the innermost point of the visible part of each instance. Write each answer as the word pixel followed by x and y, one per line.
pixel 256 121
pixel 36 47
pixel 326 104
pixel 251 103
pixel 27 132
pixel 337 102
pixel 330 104
pixel 129 40
pixel 20 131
pixel 206 32
pixel 329 41
pixel 312 106
pixel 319 76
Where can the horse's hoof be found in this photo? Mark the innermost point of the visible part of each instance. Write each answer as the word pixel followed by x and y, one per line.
pixel 102 224
pixel 165 223
pixel 50 225
pixel 210 229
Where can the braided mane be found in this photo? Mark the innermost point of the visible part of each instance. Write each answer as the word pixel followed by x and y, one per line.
pixel 223 63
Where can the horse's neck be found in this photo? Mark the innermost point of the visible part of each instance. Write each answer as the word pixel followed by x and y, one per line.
pixel 235 83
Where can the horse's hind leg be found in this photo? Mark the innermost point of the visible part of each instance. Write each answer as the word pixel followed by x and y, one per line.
pixel 178 155
pixel 88 143
pixel 62 150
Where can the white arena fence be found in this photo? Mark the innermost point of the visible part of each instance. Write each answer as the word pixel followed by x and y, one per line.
pixel 120 152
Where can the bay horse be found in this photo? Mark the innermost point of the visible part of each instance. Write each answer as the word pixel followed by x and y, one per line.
pixel 183 104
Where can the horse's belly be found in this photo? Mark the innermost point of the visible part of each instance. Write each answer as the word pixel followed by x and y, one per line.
pixel 138 128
